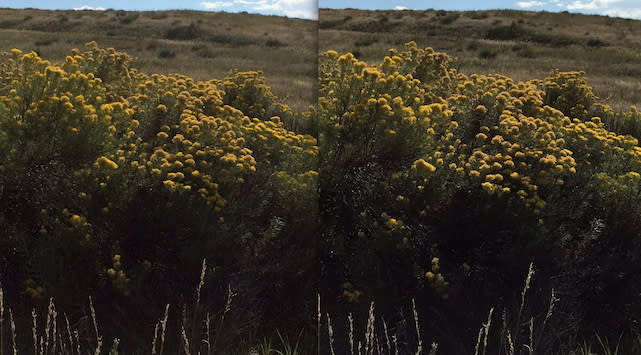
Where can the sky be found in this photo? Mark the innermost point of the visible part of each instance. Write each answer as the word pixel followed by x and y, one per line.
pixel 291 8
pixel 308 8
pixel 613 8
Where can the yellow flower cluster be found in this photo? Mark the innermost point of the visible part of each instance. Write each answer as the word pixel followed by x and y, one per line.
pixel 179 133
pixel 350 293
pixel 93 133
pixel 436 279
pixel 35 291
pixel 117 275
pixel 411 133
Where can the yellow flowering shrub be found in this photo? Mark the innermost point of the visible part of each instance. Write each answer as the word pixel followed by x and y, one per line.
pixel 248 92
pixel 570 93
pixel 124 179
pixel 419 160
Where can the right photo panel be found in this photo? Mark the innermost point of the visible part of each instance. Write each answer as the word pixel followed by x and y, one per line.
pixel 480 177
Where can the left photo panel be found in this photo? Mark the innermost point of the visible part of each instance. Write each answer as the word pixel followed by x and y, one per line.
pixel 158 177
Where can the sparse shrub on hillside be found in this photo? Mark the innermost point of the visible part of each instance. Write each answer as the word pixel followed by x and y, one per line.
pixel 129 18
pixel 166 53
pixel 449 19
pixel 487 53
pixel 477 15
pixel 204 51
pixel 191 31
pixel 595 42
pixel 505 33
pixel 275 43
pixel 523 51
pixel 158 15
pixel 45 41
pixel 366 42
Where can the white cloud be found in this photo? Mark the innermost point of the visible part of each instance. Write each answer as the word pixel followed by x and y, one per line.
pixel 265 6
pixel 291 8
pixel 528 4
pixel 629 13
pixel 216 4
pixel 619 8
pixel 87 7
pixel 578 5
pixel 401 8
pixel 591 5
pixel 245 2
pixel 304 13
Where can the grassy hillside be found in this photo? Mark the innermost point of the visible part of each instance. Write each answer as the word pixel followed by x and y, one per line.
pixel 520 44
pixel 203 45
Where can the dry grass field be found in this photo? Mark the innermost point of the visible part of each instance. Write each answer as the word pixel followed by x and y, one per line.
pixel 520 44
pixel 203 45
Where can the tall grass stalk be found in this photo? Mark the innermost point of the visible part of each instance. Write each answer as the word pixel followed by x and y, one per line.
pixel 478 341
pixel 369 331
pixel 553 300
pixel 13 333
pixel 48 324
pixel 389 349
pixel 69 334
pixel 288 349
pixel 196 310
pixel 77 337
pixel 163 329
pixel 208 340
pixel 1 322
pixel 230 295
pixel 153 342
pixel 528 278
pixel 606 347
pixel 483 333
pixel 510 342
pixel 487 330
pixel 185 341
pixel 330 332
pixel 351 333
pixel 318 321
pixel 530 347
pixel 34 331
pixel 95 327
pixel 418 333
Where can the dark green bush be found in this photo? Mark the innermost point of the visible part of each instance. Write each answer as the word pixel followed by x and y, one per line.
pixel 192 31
